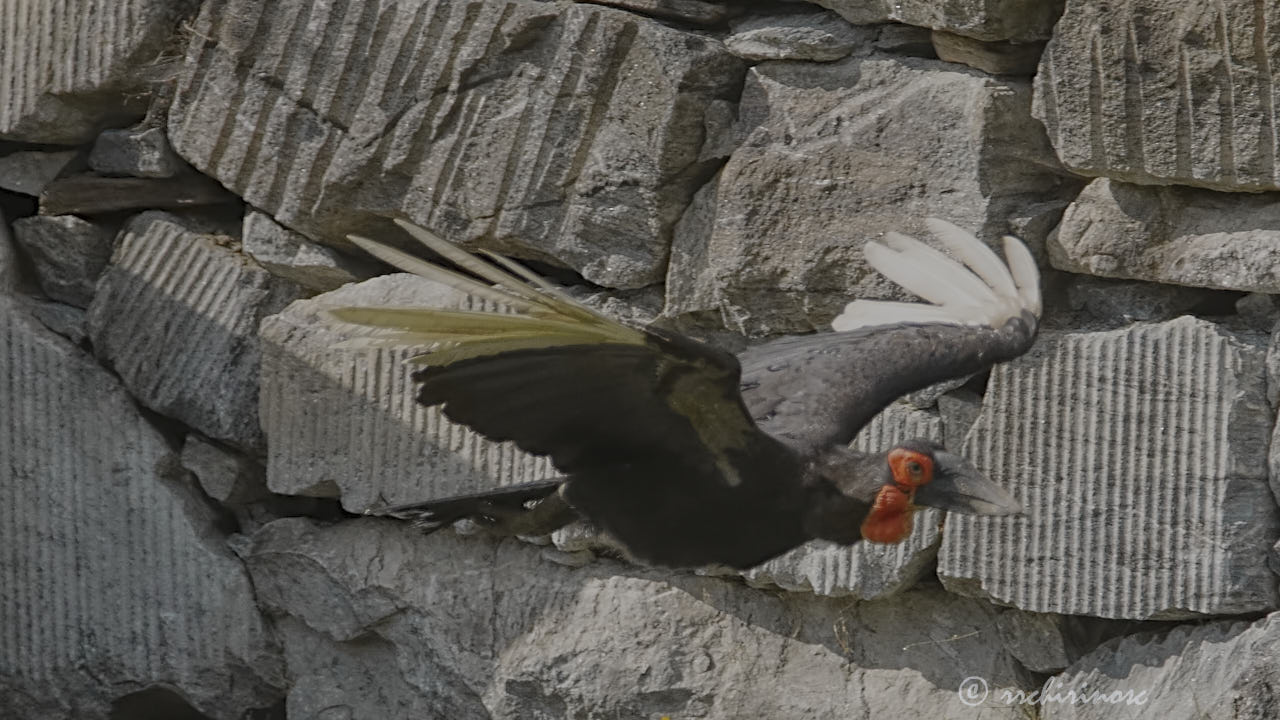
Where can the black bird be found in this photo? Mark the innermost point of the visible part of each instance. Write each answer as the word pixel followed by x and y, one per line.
pixel 687 455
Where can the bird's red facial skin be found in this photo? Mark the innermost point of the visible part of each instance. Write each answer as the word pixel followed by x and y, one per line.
pixel 890 518
pixel 910 469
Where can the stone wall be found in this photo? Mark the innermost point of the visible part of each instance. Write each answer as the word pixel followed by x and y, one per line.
pixel 185 459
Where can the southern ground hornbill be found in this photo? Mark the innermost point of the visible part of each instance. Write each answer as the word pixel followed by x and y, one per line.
pixel 687 455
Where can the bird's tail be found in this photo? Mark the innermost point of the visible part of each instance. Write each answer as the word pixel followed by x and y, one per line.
pixel 982 291
pixel 540 314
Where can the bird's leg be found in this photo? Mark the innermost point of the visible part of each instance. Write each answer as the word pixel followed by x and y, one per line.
pixel 541 517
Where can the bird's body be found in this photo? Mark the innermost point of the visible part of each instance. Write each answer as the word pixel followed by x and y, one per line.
pixel 682 453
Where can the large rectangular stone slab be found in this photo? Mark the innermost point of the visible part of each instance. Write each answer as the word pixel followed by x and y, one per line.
pixel 565 133
pixel 1217 671
pixel 68 67
pixel 491 630
pixel 1165 91
pixel 1180 235
pixel 114 578
pixel 1139 455
pixel 833 155
pixel 176 315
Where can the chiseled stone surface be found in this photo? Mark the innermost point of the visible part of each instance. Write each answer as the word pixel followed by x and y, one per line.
pixel 1017 20
pixel 176 315
pixel 1215 671
pixel 344 423
pixel 565 133
pixel 694 12
pixel 1176 235
pixel 67 67
pixel 1165 91
pixel 69 254
pixel 490 629
pixel 1140 457
pixel 817 36
pixel 836 154
pixel 114 578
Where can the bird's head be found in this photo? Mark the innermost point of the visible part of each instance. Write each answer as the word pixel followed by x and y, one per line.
pixel 922 473
pixel 897 482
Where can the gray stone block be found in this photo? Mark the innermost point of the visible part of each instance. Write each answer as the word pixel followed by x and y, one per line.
pixel 695 12
pixel 1216 671
pixel 564 133
pixel 819 37
pixel 997 58
pixel 496 631
pixel 226 476
pixel 69 67
pixel 69 254
pixel 1138 454
pixel 1165 91
pixel 28 171
pixel 114 577
pixel 1017 20
pixel 135 152
pixel 344 423
pixel 1128 300
pixel 835 154
pixel 294 257
pixel 176 315
pixel 1175 235
pixel 68 321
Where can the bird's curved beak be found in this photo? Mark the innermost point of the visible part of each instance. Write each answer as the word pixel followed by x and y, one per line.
pixel 958 486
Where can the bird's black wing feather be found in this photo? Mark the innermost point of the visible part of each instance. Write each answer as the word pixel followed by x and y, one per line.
pixel 654 438
pixel 815 390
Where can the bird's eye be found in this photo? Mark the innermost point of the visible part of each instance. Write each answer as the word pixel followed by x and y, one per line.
pixel 910 468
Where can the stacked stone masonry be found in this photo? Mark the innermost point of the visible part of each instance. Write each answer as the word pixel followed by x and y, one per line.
pixel 187 447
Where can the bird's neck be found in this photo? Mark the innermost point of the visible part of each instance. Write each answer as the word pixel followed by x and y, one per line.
pixel 842 486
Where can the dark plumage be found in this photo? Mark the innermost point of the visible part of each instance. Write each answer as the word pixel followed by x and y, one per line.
pixel 685 456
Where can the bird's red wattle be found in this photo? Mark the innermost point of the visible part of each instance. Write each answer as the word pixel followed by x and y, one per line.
pixel 890 518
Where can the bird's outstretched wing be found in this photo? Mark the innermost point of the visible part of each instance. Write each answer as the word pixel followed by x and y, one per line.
pixel 635 418
pixel 817 390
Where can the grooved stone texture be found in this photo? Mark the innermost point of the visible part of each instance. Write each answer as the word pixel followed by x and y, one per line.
pixel 485 629
pixel 835 154
pixel 1018 20
pixel 176 315
pixel 68 66
pixel 1177 235
pixel 113 578
pixel 344 422
pixel 1140 455
pixel 565 133
pixel 1165 91
pixel 865 570
pixel 1230 667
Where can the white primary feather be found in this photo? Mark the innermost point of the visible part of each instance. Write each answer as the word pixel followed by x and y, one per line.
pixel 980 289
